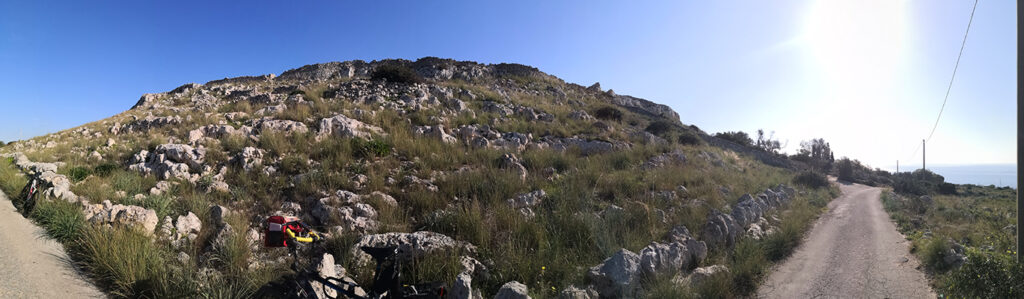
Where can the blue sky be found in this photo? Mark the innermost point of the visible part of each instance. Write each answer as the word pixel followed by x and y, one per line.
pixel 868 76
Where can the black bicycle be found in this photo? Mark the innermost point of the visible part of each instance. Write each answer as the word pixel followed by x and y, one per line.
pixel 30 192
pixel 387 282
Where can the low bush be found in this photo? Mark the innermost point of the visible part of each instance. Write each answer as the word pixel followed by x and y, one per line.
pixel 738 137
pixel 688 138
pixel 811 180
pixel 105 169
pixel 608 113
pixel 987 275
pixel 947 188
pixel 395 73
pixel 369 149
pixel 660 127
pixel 933 254
pixel 294 164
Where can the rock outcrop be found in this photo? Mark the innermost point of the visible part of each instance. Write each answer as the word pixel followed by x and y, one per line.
pixel 170 161
pixel 513 290
pixel 410 245
pixel 618 276
pixel 343 126
pixel 108 213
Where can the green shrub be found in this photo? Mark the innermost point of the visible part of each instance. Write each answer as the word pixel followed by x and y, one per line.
pixel 738 137
pixel 395 73
pixel 933 253
pixel 660 127
pixel 608 113
pixel 368 149
pixel 811 179
pixel 987 275
pixel 105 169
pixel 79 173
pixel 688 138
pixel 294 164
pixel 947 188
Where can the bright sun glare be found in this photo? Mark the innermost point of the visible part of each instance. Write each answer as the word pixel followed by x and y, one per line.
pixel 856 52
pixel 857 45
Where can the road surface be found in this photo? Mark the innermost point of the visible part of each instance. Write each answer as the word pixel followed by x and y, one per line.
pixel 853 251
pixel 32 265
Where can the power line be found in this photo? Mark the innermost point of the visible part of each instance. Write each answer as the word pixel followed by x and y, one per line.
pixel 950 87
pixel 955 67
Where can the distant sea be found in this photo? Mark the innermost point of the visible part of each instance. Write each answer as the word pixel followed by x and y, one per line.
pixel 984 175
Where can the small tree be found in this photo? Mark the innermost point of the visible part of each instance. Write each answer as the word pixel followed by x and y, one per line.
pixel 817 153
pixel 738 137
pixel 769 143
pixel 846 171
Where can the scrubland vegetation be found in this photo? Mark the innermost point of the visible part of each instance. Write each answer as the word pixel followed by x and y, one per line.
pixel 595 204
pixel 965 241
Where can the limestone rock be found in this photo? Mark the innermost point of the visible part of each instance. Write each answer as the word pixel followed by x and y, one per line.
pixel 513 290
pixel 343 126
pixel 410 245
pixel 435 132
pixel 617 276
pixel 573 292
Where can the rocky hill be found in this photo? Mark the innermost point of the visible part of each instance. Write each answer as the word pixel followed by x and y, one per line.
pixel 496 179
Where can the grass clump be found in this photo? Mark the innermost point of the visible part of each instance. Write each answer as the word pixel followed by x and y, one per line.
pixel 11 180
pixel 79 173
pixel 747 266
pixel 62 220
pixel 125 261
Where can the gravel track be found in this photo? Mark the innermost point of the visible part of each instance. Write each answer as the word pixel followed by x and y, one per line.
pixel 33 265
pixel 853 251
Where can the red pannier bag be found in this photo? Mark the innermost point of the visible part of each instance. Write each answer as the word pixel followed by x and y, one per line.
pixel 274 235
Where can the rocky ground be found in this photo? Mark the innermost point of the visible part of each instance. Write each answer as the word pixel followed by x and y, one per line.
pixel 512 176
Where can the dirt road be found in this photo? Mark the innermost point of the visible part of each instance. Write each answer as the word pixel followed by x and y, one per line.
pixel 853 251
pixel 32 265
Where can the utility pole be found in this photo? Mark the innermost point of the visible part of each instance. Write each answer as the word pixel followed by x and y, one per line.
pixel 1020 129
pixel 897 166
pixel 922 154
